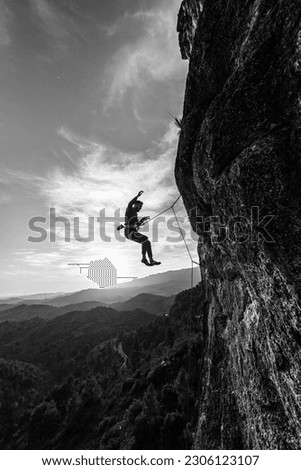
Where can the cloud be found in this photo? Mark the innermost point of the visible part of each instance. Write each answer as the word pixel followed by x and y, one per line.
pixel 106 177
pixel 81 143
pixel 40 259
pixel 49 18
pixel 58 25
pixel 5 16
pixel 103 177
pixel 9 176
pixel 4 198
pixel 153 57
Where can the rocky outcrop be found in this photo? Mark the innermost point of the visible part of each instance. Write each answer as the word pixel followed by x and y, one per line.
pixel 188 16
pixel 239 161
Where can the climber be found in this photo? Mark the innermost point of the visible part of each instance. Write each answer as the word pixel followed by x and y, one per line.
pixel 132 225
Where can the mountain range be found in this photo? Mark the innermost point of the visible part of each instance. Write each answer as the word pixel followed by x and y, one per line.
pixel 63 372
pixel 150 303
pixel 65 385
pixel 164 284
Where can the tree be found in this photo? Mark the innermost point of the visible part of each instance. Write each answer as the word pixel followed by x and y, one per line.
pixel 169 337
pixel 135 356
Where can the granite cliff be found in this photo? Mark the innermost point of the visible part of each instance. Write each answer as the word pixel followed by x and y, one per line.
pixel 238 169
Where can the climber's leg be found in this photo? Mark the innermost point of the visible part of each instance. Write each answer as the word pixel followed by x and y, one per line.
pixel 148 248
pixel 144 249
pixel 150 254
pixel 144 241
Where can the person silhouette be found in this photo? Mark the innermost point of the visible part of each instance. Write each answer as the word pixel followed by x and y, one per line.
pixel 132 225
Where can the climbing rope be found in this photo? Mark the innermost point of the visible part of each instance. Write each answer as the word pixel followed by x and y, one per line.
pixel 165 210
pixel 190 311
pixel 189 338
pixel 183 236
pixel 172 207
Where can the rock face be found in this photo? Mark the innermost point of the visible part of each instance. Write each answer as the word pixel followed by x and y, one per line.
pixel 239 161
pixel 188 16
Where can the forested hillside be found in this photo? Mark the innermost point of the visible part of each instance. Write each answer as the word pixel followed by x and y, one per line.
pixel 83 398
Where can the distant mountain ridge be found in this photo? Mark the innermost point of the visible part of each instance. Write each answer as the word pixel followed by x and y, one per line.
pixel 23 312
pixel 164 284
pixel 156 304
pixel 150 303
pixel 30 297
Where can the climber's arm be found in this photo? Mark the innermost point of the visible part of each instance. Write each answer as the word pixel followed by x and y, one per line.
pixel 134 199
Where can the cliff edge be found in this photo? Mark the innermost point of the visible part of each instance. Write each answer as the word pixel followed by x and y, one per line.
pixel 238 169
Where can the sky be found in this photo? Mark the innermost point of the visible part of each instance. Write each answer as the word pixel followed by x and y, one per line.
pixel 86 93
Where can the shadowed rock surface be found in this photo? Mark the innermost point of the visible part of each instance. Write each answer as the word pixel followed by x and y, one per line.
pixel 188 16
pixel 239 148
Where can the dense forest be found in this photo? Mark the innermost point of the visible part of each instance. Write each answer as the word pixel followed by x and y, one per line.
pixel 64 384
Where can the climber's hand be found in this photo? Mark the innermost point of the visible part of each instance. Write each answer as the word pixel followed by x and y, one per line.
pixel 143 220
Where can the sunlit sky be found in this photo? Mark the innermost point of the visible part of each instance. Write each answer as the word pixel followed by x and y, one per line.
pixel 86 88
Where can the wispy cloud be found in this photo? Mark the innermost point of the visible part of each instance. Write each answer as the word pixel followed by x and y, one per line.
pixel 36 258
pixel 58 25
pixel 5 16
pixel 4 197
pixel 10 176
pixel 103 177
pixel 153 57
pixel 49 18
pixel 106 177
